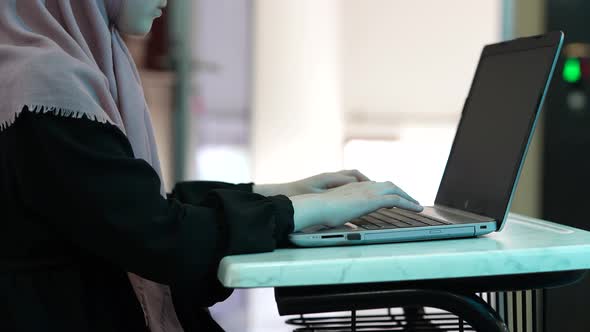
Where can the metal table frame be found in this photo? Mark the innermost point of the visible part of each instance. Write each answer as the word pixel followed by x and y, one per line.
pixel 457 296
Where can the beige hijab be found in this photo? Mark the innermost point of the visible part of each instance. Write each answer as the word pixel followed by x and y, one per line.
pixel 64 57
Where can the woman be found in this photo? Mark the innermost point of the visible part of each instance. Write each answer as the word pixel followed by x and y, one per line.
pixel 90 241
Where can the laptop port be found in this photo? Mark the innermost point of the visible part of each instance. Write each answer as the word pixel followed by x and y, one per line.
pixel 353 236
pixel 331 236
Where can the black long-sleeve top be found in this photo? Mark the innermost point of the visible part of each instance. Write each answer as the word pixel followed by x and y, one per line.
pixel 78 211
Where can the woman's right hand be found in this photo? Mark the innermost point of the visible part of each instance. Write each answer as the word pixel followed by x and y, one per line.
pixel 342 204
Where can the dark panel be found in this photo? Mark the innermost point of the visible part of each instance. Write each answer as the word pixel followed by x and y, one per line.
pixel 567 158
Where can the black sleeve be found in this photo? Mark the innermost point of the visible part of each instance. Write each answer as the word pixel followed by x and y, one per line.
pixel 80 178
pixel 193 192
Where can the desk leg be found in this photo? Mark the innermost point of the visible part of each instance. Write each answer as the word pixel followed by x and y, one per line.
pixel 477 313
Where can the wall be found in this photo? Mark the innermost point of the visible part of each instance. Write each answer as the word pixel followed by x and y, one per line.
pixel 406 70
pixel 297 120
pixel 223 52
pixel 529 19
pixel 413 59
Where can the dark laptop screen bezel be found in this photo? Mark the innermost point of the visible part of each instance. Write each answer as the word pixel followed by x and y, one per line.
pixel 553 40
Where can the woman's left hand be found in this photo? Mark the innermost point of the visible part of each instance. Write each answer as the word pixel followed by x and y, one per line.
pixel 312 185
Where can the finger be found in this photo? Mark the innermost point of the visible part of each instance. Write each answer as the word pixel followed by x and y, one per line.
pixel 337 180
pixel 390 201
pixel 355 173
pixel 405 195
pixel 392 189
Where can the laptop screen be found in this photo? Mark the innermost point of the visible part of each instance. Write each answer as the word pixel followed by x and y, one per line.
pixel 494 130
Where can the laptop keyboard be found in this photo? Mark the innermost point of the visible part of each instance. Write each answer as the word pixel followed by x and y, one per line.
pixel 388 218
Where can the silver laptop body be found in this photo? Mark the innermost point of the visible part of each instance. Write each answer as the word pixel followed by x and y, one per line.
pixel 492 139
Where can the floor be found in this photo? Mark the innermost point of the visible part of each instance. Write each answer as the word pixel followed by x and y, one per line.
pixel 252 310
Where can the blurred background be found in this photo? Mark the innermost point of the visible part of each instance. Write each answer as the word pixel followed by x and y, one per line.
pixel 277 90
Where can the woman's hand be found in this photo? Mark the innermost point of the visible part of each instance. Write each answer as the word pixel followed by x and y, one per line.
pixel 325 181
pixel 312 185
pixel 340 205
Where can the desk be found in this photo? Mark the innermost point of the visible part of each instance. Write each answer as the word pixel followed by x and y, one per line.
pixel 525 251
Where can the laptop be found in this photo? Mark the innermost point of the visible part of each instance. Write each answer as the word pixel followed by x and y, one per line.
pixel 496 126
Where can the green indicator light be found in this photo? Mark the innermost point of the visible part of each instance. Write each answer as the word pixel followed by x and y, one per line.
pixel 572 71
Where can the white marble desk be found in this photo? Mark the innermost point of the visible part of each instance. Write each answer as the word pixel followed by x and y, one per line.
pixel 525 245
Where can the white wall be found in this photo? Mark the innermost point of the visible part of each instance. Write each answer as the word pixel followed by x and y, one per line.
pixel 222 48
pixel 405 60
pixel 222 106
pixel 297 128
pixel 529 19
pixel 334 69
pixel 407 67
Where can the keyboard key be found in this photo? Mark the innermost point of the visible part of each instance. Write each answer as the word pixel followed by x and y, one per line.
pixel 370 226
pixel 389 220
pixel 415 218
pixel 427 220
pixel 411 222
pixel 364 224
pixel 420 217
pixel 430 222
pixel 375 221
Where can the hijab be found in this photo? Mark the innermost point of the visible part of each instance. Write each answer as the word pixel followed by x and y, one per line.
pixel 66 57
